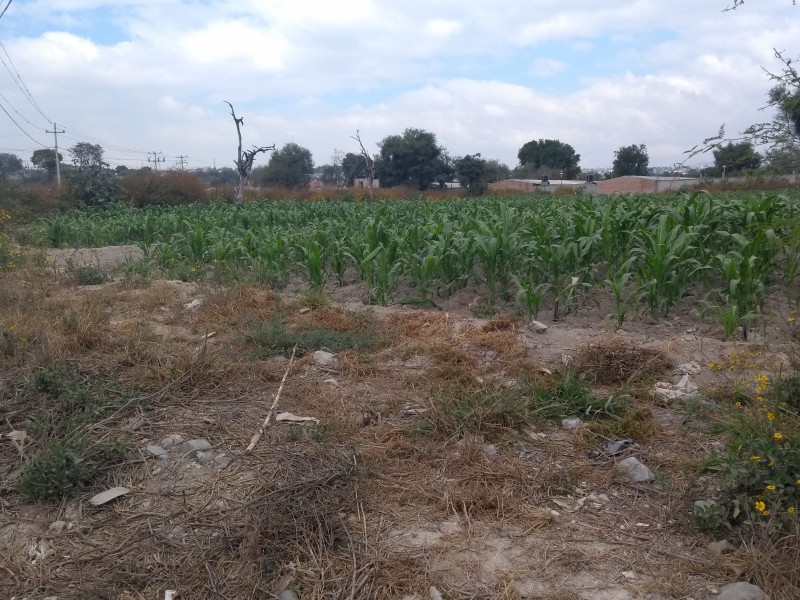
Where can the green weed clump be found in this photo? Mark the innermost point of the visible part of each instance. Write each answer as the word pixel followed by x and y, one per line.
pixel 274 338
pixel 761 468
pixel 72 451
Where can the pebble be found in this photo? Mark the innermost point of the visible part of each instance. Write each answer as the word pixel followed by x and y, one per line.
pixel 571 423
pixel 537 326
pixel 326 360
pixel 304 310
pixel 721 547
pixel 192 447
pixel 158 452
pixel 204 456
pixel 168 442
pixel 222 461
pixel 634 470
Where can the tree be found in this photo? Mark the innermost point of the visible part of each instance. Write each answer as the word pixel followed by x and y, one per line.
pixel 244 159
pixel 288 167
pixel 9 164
pixel 45 158
pixel 472 172
pixel 551 154
pixel 630 160
pixel 496 171
pixel 413 156
pixel 85 155
pixel 735 158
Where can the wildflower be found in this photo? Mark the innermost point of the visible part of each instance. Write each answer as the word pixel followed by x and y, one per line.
pixel 771 416
pixel 771 463
pixel 777 435
pixel 765 513
pixel 790 319
pixel 760 506
pixel 756 458
pixel 711 365
pixel 760 398
pixel 790 510
pixel 771 488
pixel 738 405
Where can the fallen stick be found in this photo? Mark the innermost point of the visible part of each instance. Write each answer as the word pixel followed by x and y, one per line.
pixel 260 432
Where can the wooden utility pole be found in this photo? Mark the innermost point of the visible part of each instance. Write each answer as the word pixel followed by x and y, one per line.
pixel 55 133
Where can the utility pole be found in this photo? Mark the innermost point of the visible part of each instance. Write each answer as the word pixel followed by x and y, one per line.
pixel 182 161
pixel 157 158
pixel 55 133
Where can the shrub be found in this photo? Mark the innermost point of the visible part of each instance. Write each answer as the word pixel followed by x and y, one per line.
pixel 169 187
pixel 93 186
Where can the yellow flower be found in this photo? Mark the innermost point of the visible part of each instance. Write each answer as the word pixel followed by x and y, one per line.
pixel 790 319
pixel 765 513
pixel 771 416
pixel 777 435
pixel 757 458
pixel 738 405
pixel 790 510
pixel 771 488
pixel 760 506
pixel 771 463
pixel 760 398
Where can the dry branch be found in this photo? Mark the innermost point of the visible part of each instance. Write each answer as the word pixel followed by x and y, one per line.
pixel 260 432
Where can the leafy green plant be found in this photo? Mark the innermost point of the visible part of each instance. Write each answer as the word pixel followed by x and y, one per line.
pixel 569 395
pixel 88 275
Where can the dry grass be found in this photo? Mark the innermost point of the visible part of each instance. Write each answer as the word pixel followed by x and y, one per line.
pixel 616 362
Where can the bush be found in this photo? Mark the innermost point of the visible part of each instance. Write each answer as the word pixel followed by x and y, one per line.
pixel 93 186
pixel 169 187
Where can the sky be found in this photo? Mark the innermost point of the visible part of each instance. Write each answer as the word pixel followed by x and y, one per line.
pixel 151 76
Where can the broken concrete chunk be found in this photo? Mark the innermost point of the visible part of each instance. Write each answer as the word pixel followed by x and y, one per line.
pixel 690 368
pixel 668 392
pixel 108 495
pixel 633 470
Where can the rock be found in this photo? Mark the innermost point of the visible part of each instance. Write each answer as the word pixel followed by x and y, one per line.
pixel 634 470
pixel 571 423
pixel 108 495
pixel 57 527
pixel 192 447
pixel 435 594
pixel 193 304
pixel 288 595
pixel 690 368
pixel 204 456
pixel 326 360
pixel 304 310
pixel 168 442
pixel 741 591
pixel 156 470
pixel 629 574
pixel 721 547
pixel 668 392
pixel 177 534
pixel 222 461
pixel 411 410
pixel 158 452
pixel 537 326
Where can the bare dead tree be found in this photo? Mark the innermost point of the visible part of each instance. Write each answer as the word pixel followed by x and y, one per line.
pixel 370 163
pixel 244 159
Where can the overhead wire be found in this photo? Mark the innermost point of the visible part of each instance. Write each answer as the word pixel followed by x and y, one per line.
pixel 18 80
pixel 20 127
pixel 5 9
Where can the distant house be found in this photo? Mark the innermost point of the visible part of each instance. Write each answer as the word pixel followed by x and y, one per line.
pixel 538 185
pixel 644 184
pixel 363 182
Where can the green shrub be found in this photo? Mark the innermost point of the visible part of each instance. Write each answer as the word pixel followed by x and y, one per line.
pixel 273 338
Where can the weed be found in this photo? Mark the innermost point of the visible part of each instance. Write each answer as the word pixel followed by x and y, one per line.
pixel 712 517
pixel 88 275
pixel 273 338
pixel 570 396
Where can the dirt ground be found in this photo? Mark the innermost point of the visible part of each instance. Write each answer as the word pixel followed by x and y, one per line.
pixel 365 502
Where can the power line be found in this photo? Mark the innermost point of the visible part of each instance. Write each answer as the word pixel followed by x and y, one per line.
pixel 20 115
pixel 25 92
pixel 5 9
pixel 17 124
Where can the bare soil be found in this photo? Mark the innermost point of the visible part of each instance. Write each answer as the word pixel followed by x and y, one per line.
pixel 366 504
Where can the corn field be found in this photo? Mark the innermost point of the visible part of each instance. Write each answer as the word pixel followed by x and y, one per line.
pixel 648 251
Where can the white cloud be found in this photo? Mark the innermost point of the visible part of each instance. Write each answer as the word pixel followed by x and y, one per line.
pixel 313 72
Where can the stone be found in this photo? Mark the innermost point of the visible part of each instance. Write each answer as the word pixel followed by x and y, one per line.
pixel 288 595
pixel 537 326
pixel 168 442
pixel 222 461
pixel 326 360
pixel 192 447
pixel 57 527
pixel 721 547
pixel 158 452
pixel 571 423
pixel 634 470
pixel 690 368
pixel 108 495
pixel 304 310
pixel 741 591
pixel 204 456
pixel 193 304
